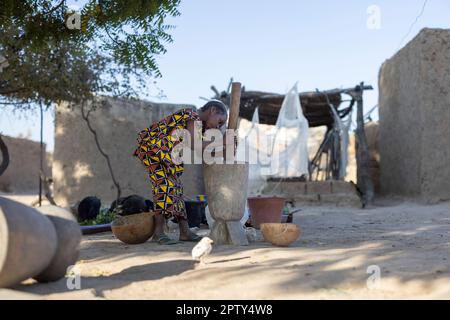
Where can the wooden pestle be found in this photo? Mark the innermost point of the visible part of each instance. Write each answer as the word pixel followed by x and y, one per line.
pixel 234 105
pixel 234 109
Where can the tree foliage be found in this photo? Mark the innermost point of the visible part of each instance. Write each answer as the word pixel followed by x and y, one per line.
pixel 50 62
pixel 133 32
pixel 57 72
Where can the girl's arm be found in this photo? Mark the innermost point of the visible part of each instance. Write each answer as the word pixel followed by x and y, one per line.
pixel 193 133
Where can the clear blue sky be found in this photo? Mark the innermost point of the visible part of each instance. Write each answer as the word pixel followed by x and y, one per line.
pixel 270 45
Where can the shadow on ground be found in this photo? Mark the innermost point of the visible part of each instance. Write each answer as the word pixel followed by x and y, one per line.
pixel 151 271
pixel 409 243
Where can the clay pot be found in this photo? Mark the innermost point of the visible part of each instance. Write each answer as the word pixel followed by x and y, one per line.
pixel 226 189
pixel 69 236
pixel 28 242
pixel 280 234
pixel 135 228
pixel 265 210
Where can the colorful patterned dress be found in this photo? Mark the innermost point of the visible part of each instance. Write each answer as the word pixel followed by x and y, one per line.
pixel 155 145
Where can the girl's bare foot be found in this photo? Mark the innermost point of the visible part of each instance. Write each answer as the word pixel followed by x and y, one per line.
pixel 159 235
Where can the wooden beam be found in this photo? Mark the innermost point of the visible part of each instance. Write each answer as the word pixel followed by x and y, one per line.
pixel 364 183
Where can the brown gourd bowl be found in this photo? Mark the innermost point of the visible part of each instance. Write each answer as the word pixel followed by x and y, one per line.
pixel 280 234
pixel 135 228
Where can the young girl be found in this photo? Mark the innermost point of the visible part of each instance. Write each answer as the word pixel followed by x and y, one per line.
pixel 155 145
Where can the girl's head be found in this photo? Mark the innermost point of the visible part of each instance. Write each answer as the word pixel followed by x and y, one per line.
pixel 214 114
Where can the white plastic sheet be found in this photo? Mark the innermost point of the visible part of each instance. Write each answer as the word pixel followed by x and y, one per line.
pixel 249 150
pixel 289 156
pixel 276 151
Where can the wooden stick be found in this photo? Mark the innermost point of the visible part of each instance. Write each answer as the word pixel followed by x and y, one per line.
pixel 234 116
pixel 234 105
pixel 365 183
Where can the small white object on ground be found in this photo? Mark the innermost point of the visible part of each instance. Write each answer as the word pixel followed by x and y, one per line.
pixel 202 249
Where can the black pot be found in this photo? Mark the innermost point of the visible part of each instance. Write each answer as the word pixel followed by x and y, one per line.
pixel 195 211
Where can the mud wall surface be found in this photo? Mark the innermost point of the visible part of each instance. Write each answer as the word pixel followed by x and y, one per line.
pixel 415 119
pixel 22 174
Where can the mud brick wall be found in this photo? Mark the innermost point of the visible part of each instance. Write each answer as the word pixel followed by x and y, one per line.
pixel 329 193
pixel 22 174
pixel 79 170
pixel 414 120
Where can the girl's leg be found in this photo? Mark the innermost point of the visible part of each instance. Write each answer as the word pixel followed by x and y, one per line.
pixel 159 189
pixel 158 177
pixel 159 225
pixel 180 212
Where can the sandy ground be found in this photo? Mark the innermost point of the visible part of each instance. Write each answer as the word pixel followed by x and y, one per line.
pixel 408 243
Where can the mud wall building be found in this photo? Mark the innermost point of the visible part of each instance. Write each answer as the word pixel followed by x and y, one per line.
pixel 22 174
pixel 414 128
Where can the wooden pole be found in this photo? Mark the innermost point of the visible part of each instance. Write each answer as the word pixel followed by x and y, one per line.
pixel 234 117
pixel 41 158
pixel 234 105
pixel 365 183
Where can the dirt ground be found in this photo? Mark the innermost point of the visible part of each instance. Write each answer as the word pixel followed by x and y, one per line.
pixel 407 243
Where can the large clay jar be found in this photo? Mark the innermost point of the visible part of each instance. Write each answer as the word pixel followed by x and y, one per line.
pixel 265 210
pixel 69 237
pixel 226 188
pixel 28 242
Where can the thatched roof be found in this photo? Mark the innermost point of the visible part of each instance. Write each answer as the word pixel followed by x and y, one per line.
pixel 314 105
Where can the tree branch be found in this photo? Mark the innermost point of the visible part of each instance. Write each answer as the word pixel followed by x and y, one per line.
pixel 55 8
pixel 10 91
pixel 85 116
